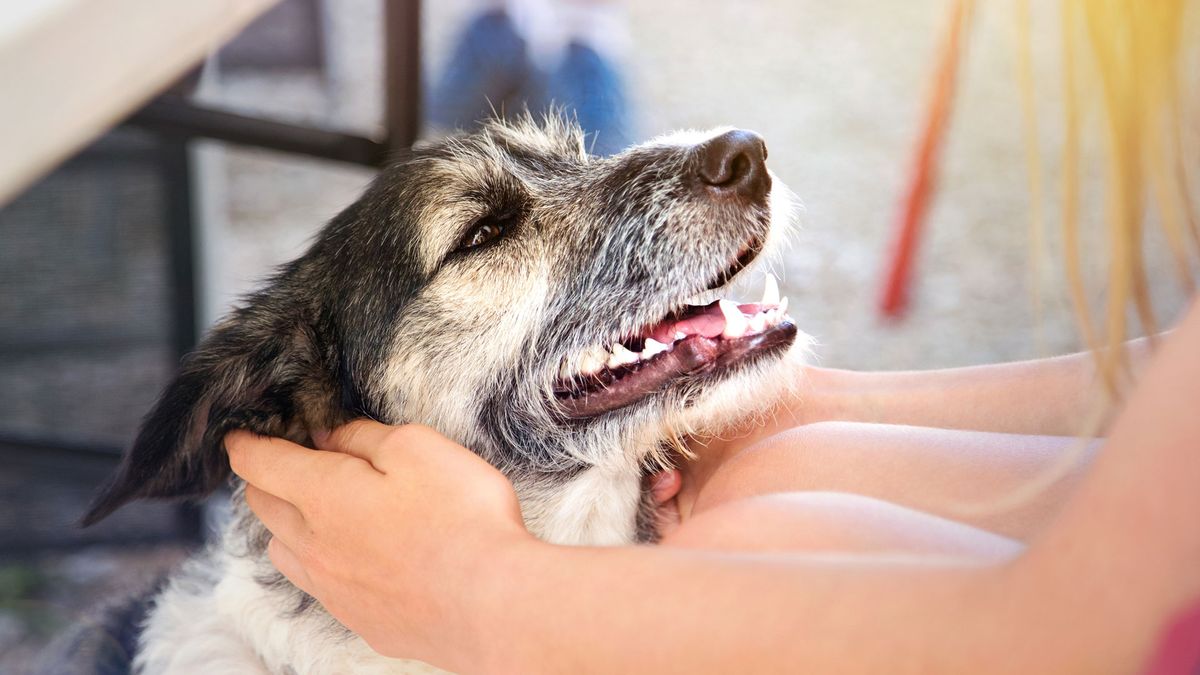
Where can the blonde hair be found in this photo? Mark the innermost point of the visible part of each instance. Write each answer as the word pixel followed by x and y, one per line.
pixel 1133 52
pixel 1122 64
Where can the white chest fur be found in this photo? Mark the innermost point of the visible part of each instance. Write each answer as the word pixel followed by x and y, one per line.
pixel 215 618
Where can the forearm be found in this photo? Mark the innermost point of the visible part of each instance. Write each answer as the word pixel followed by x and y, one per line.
pixel 1008 484
pixel 1128 539
pixel 583 610
pixel 1050 397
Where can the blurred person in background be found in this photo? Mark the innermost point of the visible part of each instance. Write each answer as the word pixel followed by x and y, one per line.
pixel 535 54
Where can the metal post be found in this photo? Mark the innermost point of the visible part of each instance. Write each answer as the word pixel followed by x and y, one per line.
pixel 172 115
pixel 402 72
pixel 185 283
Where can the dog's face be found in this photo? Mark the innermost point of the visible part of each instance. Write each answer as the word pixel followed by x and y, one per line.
pixel 549 309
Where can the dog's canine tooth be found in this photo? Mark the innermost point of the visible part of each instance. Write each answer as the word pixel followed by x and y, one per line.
pixel 770 290
pixel 653 348
pixel 735 321
pixel 782 308
pixel 621 357
pixel 591 362
pixel 564 370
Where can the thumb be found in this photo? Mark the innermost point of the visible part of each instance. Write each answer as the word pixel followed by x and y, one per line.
pixel 362 438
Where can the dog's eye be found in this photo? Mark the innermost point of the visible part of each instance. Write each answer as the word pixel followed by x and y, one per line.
pixel 484 232
pixel 481 235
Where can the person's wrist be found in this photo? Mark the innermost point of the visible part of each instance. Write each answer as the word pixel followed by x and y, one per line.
pixel 499 582
pixel 823 398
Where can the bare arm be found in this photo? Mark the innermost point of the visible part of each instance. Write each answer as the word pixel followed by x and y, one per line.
pixel 1009 484
pixel 1045 397
pixel 664 609
pixel 1056 396
pixel 1089 595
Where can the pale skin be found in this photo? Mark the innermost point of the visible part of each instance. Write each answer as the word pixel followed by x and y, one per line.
pixel 831 547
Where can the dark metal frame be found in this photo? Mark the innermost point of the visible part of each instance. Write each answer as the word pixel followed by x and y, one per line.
pixel 175 116
pixel 180 120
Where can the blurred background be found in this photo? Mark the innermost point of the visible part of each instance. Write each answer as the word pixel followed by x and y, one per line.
pixel 114 262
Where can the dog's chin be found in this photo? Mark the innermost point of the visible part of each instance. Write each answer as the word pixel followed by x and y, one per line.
pixel 749 390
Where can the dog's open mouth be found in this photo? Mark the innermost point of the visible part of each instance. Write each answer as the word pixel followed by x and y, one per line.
pixel 693 341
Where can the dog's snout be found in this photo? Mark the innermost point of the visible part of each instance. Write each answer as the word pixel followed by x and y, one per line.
pixel 735 163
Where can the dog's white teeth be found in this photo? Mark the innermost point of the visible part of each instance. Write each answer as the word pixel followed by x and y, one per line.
pixel 653 348
pixel 770 291
pixel 771 312
pixel 592 362
pixel 735 322
pixel 621 357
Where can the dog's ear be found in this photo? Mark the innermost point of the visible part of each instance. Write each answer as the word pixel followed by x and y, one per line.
pixel 253 372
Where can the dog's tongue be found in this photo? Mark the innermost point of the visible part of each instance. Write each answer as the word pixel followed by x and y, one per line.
pixel 709 324
pixel 706 320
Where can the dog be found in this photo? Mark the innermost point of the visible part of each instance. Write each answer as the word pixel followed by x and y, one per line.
pixel 558 313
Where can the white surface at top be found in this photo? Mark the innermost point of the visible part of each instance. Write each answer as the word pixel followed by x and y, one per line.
pixel 70 69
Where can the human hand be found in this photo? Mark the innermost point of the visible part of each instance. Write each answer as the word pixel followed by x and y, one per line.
pixel 664 487
pixel 389 531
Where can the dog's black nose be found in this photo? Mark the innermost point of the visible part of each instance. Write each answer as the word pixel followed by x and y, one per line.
pixel 735 163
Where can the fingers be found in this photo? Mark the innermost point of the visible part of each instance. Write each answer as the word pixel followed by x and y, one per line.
pixel 667 518
pixel 284 520
pixel 664 485
pixel 366 439
pixel 278 466
pixel 288 563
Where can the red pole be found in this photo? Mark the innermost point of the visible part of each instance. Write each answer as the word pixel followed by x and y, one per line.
pixel 894 300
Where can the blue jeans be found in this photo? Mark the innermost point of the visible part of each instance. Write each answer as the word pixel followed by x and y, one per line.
pixel 490 69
